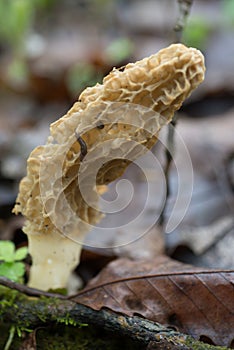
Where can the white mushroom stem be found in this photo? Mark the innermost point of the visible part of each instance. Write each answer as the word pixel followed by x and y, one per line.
pixel 54 258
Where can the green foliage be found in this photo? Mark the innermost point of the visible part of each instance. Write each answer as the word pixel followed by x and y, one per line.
pixel 10 338
pixel 17 18
pixel 82 75
pixel 8 253
pixel 85 74
pixel 68 321
pixel 119 50
pixel 196 33
pixel 17 70
pixel 10 261
pixel 228 10
pixel 20 330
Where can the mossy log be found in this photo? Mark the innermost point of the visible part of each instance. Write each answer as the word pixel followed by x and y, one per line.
pixel 27 308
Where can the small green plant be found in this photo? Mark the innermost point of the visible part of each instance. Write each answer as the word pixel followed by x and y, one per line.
pixel 68 321
pixel 228 11
pixel 11 265
pixel 196 32
pixel 17 22
pixel 119 50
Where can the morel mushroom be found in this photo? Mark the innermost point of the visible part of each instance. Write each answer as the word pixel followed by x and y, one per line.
pixel 57 214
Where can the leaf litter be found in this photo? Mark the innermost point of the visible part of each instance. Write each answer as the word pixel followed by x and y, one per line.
pixel 192 300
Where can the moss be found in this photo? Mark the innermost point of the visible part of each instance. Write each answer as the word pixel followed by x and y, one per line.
pixel 7 298
pixel 202 346
pixel 69 321
pixel 5 331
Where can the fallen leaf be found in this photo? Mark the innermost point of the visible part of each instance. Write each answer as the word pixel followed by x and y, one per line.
pixel 193 300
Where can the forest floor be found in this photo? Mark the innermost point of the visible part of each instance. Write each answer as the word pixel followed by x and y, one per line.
pixel 74 45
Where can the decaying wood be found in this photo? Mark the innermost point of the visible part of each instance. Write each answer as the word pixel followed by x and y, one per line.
pixel 34 312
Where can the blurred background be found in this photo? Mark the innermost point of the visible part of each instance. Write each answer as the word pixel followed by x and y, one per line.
pixel 50 50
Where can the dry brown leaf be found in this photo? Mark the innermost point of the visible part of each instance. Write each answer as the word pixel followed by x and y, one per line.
pixel 193 300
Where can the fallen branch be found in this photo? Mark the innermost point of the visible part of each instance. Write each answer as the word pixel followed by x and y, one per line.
pixel 22 312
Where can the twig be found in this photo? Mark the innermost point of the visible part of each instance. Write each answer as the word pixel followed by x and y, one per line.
pixel 230 178
pixel 169 152
pixel 32 292
pixel 184 10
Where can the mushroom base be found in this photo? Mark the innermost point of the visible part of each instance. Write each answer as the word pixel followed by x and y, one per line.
pixel 54 258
